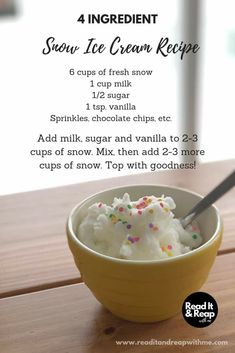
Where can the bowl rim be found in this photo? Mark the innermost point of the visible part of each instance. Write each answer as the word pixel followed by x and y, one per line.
pixel 71 234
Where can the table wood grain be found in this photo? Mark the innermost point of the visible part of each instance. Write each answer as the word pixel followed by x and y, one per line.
pixel 34 254
pixel 70 320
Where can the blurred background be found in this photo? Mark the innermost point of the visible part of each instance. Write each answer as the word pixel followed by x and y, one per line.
pixel 199 94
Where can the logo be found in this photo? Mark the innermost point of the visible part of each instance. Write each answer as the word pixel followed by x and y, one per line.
pixel 200 309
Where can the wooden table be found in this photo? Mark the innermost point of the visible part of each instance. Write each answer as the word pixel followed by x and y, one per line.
pixel 44 305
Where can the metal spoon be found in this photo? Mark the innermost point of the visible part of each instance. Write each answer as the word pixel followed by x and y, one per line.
pixel 209 199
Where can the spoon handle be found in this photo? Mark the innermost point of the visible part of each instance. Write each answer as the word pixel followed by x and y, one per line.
pixel 209 199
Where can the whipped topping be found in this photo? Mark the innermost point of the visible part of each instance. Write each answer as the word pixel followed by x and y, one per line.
pixel 137 230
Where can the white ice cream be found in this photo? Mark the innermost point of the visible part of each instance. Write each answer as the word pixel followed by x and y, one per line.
pixel 137 230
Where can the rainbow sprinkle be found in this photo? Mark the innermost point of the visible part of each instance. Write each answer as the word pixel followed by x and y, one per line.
pixel 166 249
pixel 146 201
pixel 133 239
pixel 153 227
pixel 114 219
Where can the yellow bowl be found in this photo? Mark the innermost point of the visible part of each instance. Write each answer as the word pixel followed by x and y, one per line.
pixel 146 291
